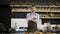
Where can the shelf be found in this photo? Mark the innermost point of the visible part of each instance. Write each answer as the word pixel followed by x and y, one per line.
pixel 27 10
pixel 50 17
pixel 31 5
pixel 20 5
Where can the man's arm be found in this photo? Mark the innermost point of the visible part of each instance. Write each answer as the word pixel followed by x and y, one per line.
pixel 28 17
pixel 38 19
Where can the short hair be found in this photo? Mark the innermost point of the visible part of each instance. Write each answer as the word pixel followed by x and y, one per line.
pixel 32 6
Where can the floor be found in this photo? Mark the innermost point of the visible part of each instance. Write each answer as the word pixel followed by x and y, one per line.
pixel 31 33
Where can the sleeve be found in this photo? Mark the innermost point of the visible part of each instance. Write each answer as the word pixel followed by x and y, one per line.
pixel 28 17
pixel 38 19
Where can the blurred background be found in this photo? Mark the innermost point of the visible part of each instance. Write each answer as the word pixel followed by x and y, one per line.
pixel 14 12
pixel 48 9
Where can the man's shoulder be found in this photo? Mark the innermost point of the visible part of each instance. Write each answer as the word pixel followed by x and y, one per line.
pixel 37 14
pixel 28 13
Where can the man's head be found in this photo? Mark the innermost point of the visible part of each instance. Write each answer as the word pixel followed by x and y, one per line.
pixel 33 9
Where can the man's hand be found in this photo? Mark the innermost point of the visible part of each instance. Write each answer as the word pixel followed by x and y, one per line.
pixel 32 18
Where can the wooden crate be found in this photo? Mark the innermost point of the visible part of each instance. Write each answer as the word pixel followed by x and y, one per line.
pixel 27 32
pixel 49 33
pixel 37 32
pixel 59 33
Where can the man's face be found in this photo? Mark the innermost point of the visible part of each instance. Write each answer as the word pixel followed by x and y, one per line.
pixel 33 9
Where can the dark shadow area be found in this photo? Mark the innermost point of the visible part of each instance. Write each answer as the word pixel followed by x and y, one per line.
pixel 5 15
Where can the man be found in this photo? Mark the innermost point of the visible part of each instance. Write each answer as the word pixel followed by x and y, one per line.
pixel 33 19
